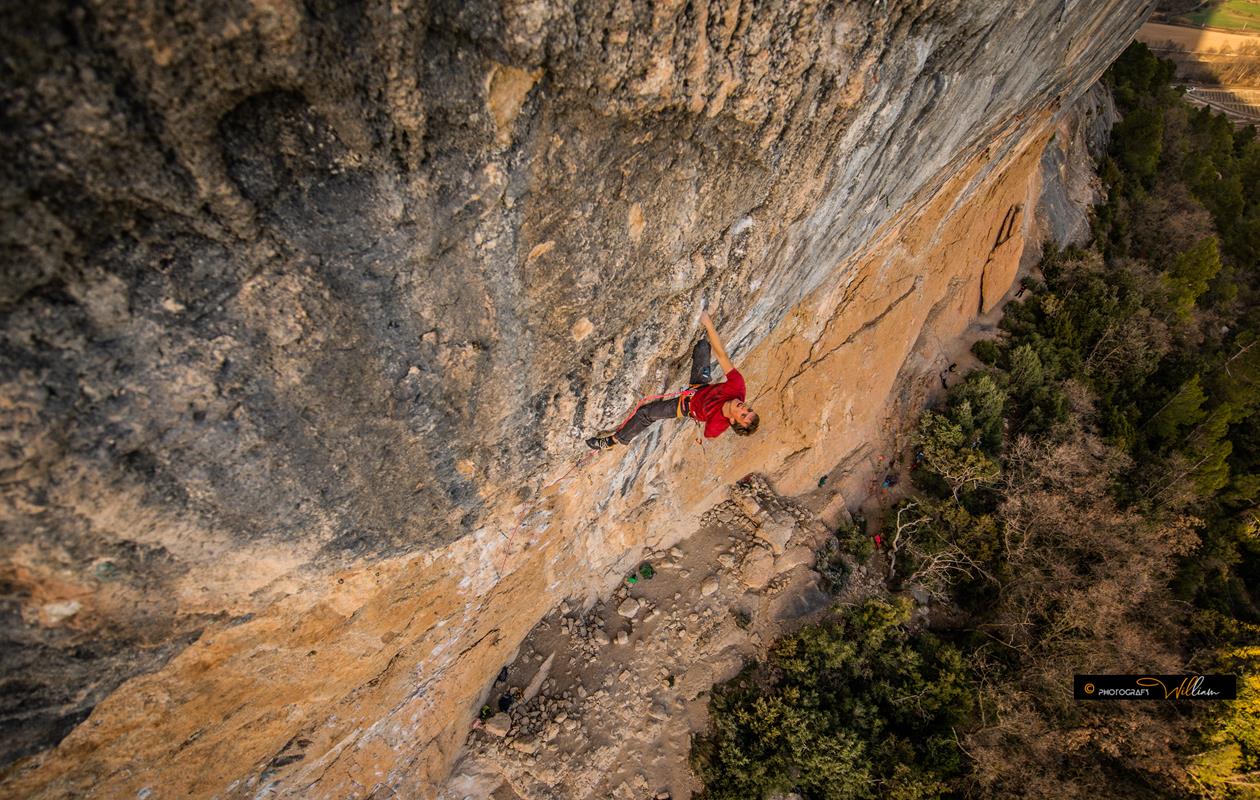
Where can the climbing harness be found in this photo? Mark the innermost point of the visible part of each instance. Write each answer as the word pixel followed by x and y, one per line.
pixel 681 394
pixel 683 410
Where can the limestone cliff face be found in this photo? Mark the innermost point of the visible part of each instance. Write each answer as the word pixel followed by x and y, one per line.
pixel 304 303
pixel 1071 187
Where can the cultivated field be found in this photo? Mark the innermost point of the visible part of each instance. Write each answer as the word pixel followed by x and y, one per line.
pixel 1207 56
pixel 1195 40
pixel 1230 14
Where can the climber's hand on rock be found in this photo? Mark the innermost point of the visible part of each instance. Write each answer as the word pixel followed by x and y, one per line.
pixel 705 320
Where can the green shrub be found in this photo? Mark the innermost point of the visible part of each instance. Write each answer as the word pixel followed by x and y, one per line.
pixel 855 540
pixel 987 351
pixel 854 707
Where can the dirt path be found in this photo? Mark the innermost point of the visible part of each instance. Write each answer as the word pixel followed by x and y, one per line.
pixel 1194 40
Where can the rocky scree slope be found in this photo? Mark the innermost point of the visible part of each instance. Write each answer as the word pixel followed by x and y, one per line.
pixel 293 292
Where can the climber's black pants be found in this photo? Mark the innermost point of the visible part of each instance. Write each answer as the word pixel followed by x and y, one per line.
pixel 668 409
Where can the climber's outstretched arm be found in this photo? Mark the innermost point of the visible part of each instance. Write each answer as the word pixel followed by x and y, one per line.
pixel 724 361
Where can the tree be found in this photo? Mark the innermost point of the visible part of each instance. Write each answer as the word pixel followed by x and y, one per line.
pixel 977 406
pixel 1189 275
pixel 1227 767
pixel 1139 140
pixel 1026 371
pixel 1181 412
pixel 855 706
pixel 1084 588
pixel 947 453
pixel 943 545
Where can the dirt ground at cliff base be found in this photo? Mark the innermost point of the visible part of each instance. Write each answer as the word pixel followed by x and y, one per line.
pixel 610 695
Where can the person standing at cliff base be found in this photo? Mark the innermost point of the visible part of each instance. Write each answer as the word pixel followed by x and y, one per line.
pixel 715 406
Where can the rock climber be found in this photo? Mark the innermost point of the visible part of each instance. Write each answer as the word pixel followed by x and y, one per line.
pixel 716 406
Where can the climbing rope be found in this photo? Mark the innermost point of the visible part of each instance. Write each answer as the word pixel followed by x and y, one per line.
pixel 678 395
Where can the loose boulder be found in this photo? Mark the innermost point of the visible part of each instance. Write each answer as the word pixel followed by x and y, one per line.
pixel 777 535
pixel 794 557
pixel 498 725
pixel 758 568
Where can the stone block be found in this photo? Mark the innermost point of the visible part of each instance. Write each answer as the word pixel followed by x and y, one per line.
pixel 757 568
pixel 498 725
pixel 777 535
pixel 794 557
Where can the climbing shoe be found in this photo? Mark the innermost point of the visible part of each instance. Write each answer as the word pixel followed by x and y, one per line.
pixel 600 442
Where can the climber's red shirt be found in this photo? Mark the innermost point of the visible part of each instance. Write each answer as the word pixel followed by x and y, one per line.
pixel 706 403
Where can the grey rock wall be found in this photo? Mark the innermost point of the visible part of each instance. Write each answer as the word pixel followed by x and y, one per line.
pixel 1070 183
pixel 291 285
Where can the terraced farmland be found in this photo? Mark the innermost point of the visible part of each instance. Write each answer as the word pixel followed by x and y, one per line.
pixel 1241 103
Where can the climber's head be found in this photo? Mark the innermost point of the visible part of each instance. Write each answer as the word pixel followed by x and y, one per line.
pixel 744 420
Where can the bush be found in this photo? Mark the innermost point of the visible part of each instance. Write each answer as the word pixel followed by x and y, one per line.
pixel 987 351
pixel 855 540
pixel 854 707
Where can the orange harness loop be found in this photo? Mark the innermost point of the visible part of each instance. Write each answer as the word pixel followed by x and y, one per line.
pixel 680 394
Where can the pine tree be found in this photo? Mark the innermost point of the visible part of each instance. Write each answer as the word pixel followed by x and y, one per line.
pixel 1190 273
pixel 1181 412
